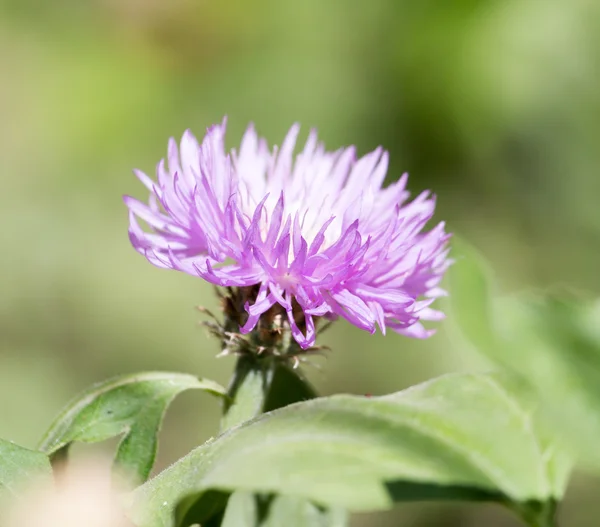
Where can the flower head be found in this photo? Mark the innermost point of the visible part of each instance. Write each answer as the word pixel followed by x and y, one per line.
pixel 316 235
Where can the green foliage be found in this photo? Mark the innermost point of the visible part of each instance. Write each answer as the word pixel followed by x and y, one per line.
pixel 242 510
pixel 260 386
pixel 551 342
pixel 468 436
pixel 257 386
pixel 207 510
pixel 249 510
pixel 554 343
pixel 287 386
pixel 18 466
pixel 472 296
pixel 130 405
pixel 294 512
pixel 247 393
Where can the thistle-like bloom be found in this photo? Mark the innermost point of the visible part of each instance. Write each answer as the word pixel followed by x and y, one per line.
pixel 317 234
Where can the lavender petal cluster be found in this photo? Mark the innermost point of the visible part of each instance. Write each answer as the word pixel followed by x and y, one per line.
pixel 316 231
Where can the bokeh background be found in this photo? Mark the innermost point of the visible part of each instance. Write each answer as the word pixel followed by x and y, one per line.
pixel 493 104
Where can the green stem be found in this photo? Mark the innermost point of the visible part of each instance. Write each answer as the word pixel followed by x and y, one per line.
pixel 248 391
pixel 259 384
pixel 536 514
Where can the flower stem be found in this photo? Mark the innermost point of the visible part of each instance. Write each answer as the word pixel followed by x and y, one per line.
pixel 248 391
pixel 536 514
pixel 259 384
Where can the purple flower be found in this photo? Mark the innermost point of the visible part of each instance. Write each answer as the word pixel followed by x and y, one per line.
pixel 317 233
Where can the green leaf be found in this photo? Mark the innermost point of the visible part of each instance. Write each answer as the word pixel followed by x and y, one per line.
pixel 19 466
pixel 242 511
pixel 551 342
pixel 132 406
pixel 296 512
pixel 471 299
pixel 204 510
pixel 246 509
pixel 288 386
pixel 469 435
pixel 554 344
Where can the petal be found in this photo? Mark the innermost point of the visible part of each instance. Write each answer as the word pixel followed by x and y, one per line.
pixel 353 309
pixel 263 303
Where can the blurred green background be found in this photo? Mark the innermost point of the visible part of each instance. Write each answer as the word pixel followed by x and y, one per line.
pixel 493 104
